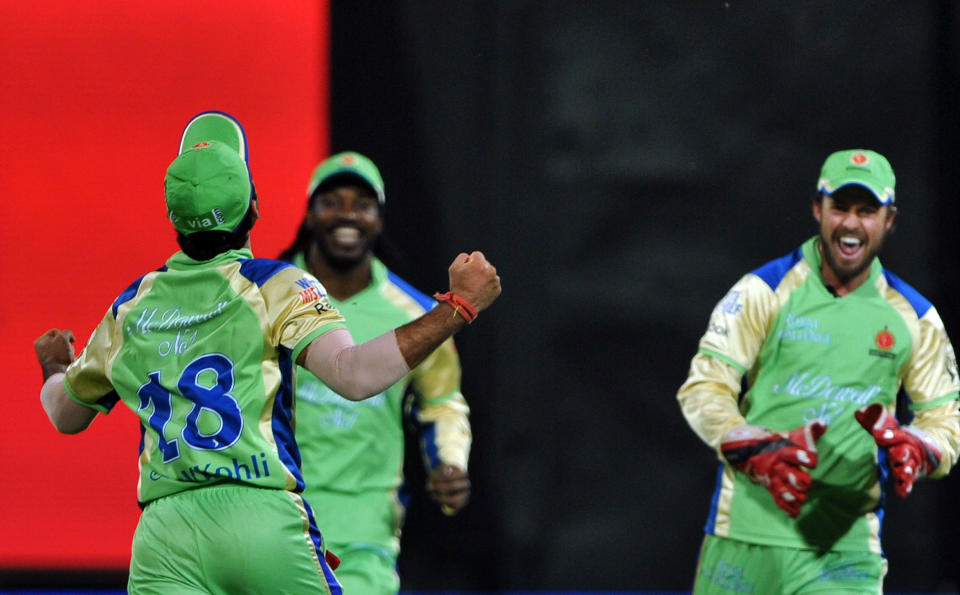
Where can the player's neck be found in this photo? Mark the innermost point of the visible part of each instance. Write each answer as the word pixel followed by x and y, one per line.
pixel 340 283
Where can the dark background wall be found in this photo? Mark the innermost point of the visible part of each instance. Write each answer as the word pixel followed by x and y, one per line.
pixel 623 163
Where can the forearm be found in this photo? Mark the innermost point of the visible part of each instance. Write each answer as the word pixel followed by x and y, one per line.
pixel 353 371
pixel 66 416
pixel 417 339
pixel 360 371
pixel 708 399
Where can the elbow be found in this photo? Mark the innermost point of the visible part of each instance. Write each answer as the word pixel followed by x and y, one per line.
pixel 69 428
pixel 71 424
pixel 355 393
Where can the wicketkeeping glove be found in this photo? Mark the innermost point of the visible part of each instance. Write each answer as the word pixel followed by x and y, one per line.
pixel 776 460
pixel 912 454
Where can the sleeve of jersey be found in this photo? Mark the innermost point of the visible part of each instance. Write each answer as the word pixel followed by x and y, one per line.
pixel 932 384
pixel 738 326
pixel 442 415
pixel 298 309
pixel 87 379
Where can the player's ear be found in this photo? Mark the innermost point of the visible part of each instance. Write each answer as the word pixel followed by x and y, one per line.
pixel 891 216
pixel 817 204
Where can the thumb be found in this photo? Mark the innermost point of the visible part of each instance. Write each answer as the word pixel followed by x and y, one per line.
pixel 806 436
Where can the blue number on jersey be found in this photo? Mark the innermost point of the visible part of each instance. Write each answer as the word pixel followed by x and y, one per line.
pixel 215 399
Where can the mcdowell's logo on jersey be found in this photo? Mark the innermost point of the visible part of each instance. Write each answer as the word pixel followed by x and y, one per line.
pixel 810 385
pixel 885 341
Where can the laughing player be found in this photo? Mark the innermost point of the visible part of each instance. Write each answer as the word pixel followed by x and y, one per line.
pixel 826 338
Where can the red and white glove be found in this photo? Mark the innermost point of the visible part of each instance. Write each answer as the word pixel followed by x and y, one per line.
pixel 912 454
pixel 776 460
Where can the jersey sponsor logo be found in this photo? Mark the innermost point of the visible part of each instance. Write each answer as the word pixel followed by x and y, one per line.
pixel 151 320
pixel 171 318
pixel 730 304
pixel 835 398
pixel 311 290
pixel 885 341
pixel 803 330
pixel 822 386
pixel 717 328
pixel 309 295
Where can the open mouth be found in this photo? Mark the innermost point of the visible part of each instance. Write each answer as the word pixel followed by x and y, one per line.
pixel 850 246
pixel 347 237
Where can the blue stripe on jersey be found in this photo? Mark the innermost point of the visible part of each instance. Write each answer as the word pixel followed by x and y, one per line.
pixel 129 293
pixel 421 298
pixel 883 468
pixel 430 451
pixel 260 270
pixel 774 271
pixel 712 517
pixel 919 303
pixel 282 422
pixel 317 539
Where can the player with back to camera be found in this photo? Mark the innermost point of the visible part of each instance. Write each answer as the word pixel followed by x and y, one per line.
pixel 203 350
pixel 826 338
pixel 353 451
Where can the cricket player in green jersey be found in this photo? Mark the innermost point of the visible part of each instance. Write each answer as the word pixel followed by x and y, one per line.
pixel 826 338
pixel 205 350
pixel 353 451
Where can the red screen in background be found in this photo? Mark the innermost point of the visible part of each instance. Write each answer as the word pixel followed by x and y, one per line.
pixel 93 98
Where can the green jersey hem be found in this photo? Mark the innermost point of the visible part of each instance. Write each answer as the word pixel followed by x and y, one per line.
pixel 77 400
pixel 934 403
pixel 725 359
pixel 313 335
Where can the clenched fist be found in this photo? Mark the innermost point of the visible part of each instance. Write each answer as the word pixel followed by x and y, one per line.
pixel 474 279
pixel 54 351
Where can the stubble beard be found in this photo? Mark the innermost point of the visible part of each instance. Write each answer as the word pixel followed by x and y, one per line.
pixel 846 273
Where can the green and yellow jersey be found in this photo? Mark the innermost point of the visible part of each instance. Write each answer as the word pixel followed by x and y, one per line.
pixel 353 450
pixel 215 400
pixel 806 354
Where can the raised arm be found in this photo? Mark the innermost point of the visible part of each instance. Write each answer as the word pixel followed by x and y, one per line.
pixel 360 371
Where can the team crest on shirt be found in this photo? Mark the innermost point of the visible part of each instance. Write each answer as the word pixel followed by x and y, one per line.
pixel 884 340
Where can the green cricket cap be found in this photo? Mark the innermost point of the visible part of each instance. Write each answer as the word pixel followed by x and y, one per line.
pixel 862 167
pixel 215 125
pixel 349 164
pixel 207 188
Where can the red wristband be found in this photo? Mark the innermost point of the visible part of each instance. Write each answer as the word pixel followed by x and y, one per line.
pixel 460 306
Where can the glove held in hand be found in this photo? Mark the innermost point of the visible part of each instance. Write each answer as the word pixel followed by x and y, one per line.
pixel 776 460
pixel 911 453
